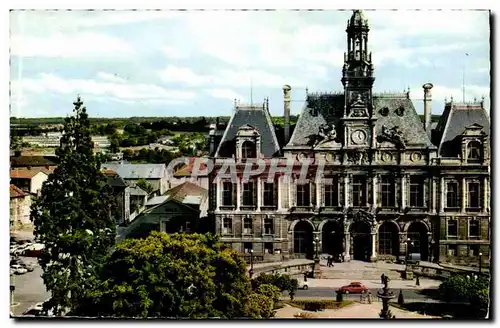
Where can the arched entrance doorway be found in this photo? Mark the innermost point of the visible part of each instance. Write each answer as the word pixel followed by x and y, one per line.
pixel 303 240
pixel 333 238
pixel 418 243
pixel 361 240
pixel 388 239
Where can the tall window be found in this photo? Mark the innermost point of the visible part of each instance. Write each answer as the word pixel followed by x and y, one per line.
pixel 452 194
pixel 416 191
pixel 386 237
pixel 247 225
pixel 473 150
pixel 269 195
pixel 227 194
pixel 473 193
pixel 474 228
pixel 268 226
pixel 248 194
pixel 359 191
pixel 248 150
pixel 268 248
pixel 227 226
pixel 452 227
pixel 332 194
pixel 303 195
pixel 388 192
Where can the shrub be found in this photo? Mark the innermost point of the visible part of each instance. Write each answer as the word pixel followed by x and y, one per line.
pixel 317 305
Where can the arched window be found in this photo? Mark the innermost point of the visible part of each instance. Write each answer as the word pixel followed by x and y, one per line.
pixel 474 150
pixel 248 150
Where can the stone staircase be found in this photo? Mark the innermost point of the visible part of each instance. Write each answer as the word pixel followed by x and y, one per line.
pixel 365 274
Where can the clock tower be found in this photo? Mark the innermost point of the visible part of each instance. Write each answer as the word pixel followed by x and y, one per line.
pixel 357 78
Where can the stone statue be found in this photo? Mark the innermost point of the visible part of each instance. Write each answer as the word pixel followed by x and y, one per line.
pixel 326 133
pixel 393 135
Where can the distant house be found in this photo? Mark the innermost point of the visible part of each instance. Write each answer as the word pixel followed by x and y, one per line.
pixel 29 180
pixel 19 160
pixel 185 174
pixel 20 204
pixel 121 191
pixel 182 209
pixel 138 199
pixel 155 174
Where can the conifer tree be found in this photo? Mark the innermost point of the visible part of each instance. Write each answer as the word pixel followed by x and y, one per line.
pixel 73 217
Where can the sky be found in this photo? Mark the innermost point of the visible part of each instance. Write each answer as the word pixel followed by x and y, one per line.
pixel 196 63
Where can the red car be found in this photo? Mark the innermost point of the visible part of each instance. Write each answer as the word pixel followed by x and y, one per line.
pixel 354 288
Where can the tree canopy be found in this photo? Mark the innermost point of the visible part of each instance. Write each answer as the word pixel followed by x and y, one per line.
pixel 72 216
pixel 180 276
pixel 472 289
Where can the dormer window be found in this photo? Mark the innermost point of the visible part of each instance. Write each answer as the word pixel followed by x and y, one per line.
pixel 474 151
pixel 248 150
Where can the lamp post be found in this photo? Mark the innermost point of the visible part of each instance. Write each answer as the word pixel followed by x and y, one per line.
pixel 316 270
pixel 480 256
pixel 250 273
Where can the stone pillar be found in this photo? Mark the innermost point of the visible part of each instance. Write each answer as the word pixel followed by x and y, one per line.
pixel 279 201
pixel 486 188
pixel 347 190
pixel 238 191
pixel 218 201
pixel 375 190
pixel 259 193
pixel 433 196
pixel 347 240
pixel 464 195
pixel 403 238
pixel 373 256
pixel 403 190
pixel 442 196
pixel 319 201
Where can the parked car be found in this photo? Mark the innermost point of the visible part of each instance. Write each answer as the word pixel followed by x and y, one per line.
pixel 303 285
pixel 36 310
pixel 354 288
pixel 18 269
pixel 33 250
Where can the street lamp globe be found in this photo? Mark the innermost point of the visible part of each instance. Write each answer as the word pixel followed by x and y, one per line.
pixel 480 254
pixel 251 251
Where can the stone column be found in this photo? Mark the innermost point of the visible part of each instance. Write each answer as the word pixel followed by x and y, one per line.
pixel 403 190
pixel 373 256
pixel 442 196
pixel 218 184
pixel 433 197
pixel 347 190
pixel 238 191
pixel 375 190
pixel 403 238
pixel 464 195
pixel 259 193
pixel 486 203
pixel 319 201
pixel 279 201
pixel 347 240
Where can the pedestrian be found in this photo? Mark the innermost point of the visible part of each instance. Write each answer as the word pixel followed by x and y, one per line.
pixel 329 261
pixel 382 278
pixel 343 257
pixel 418 281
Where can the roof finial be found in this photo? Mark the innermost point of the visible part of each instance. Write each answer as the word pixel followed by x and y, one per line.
pixel 451 98
pixel 445 99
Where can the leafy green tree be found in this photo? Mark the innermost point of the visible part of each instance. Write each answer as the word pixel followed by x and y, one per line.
pixel 472 289
pixel 72 217
pixel 144 185
pixel 179 275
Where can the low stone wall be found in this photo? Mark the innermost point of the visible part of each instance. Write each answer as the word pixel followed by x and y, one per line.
pixel 283 268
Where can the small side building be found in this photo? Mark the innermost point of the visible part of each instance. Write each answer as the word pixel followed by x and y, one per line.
pixel 20 204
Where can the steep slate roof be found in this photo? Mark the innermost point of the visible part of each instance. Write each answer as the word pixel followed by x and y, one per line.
pixel 257 117
pixel 456 117
pixel 25 173
pixel 25 161
pixel 16 192
pixel 328 108
pixel 137 171
pixel 187 192
pixel 136 191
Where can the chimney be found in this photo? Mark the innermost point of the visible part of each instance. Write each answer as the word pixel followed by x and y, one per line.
pixel 286 103
pixel 427 107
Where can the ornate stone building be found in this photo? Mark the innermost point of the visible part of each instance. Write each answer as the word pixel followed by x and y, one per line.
pixel 391 185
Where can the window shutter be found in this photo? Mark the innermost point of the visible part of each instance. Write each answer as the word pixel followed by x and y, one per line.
pixel 285 187
pixel 322 194
pixel 254 192
pixel 340 185
pixel 293 193
pixel 233 192
pixel 312 192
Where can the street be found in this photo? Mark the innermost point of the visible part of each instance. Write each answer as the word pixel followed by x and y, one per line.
pixel 410 295
pixel 29 288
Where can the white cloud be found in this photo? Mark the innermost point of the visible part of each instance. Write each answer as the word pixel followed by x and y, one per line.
pixel 225 94
pixel 70 46
pixel 110 77
pixel 175 53
pixel 49 83
pixel 243 78
pixel 440 93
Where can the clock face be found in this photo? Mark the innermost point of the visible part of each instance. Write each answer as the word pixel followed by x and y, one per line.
pixel 358 137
